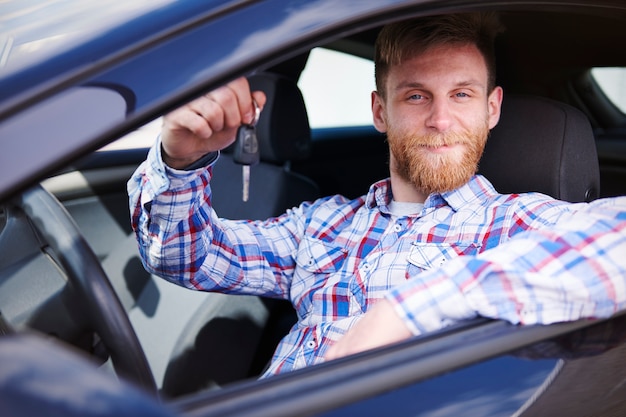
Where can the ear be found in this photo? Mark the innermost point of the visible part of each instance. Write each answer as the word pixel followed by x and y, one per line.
pixel 494 103
pixel 378 112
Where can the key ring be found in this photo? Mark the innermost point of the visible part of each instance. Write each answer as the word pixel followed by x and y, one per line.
pixel 257 113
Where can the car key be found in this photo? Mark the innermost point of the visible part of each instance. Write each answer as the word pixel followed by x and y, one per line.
pixel 246 150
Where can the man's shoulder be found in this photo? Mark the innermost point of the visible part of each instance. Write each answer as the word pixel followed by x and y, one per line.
pixel 486 193
pixel 336 204
pixel 527 202
pixel 328 216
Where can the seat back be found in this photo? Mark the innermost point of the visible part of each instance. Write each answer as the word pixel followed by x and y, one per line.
pixel 284 135
pixel 542 145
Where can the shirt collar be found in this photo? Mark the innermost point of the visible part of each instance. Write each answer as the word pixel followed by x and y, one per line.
pixel 476 190
pixel 379 196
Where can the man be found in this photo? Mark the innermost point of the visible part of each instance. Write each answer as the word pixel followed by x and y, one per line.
pixel 333 258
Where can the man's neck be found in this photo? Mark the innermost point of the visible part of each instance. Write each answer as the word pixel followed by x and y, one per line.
pixel 405 192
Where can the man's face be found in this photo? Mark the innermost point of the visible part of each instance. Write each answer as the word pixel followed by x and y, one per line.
pixel 437 115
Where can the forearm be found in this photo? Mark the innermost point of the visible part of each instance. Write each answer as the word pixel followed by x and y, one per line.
pixel 576 269
pixel 164 204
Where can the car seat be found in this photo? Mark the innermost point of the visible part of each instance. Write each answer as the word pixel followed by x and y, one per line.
pixel 545 146
pixel 284 135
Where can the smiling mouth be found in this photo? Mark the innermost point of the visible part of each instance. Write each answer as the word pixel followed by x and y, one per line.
pixel 440 146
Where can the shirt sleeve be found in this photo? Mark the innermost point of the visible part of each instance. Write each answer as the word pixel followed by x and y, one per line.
pixel 574 269
pixel 183 240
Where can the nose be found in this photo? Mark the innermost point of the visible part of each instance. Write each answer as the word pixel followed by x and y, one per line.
pixel 439 118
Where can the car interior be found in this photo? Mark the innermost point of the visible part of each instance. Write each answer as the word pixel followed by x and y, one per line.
pixel 558 135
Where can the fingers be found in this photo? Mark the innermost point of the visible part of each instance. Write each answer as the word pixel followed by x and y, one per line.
pixel 380 326
pixel 210 122
pixel 229 106
pixel 188 118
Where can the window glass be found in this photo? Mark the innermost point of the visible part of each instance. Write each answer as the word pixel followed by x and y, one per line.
pixel 613 82
pixel 3 218
pixel 336 89
pixel 143 137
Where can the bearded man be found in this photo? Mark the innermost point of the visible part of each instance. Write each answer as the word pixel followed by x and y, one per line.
pixel 335 258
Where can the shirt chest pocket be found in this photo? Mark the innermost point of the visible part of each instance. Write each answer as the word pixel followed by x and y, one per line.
pixel 317 264
pixel 319 257
pixel 423 256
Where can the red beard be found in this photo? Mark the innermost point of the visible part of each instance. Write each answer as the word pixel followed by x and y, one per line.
pixel 437 172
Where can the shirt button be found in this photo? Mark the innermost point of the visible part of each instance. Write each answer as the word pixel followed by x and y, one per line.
pixel 397 227
pixel 310 344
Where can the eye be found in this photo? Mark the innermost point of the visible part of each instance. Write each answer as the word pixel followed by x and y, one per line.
pixel 461 95
pixel 416 97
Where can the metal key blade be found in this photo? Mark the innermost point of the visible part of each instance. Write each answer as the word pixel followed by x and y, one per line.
pixel 246 151
pixel 245 171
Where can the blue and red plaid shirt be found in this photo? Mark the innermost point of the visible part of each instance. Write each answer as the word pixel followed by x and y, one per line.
pixel 333 258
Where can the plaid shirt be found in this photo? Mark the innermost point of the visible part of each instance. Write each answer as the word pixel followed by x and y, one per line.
pixel 333 258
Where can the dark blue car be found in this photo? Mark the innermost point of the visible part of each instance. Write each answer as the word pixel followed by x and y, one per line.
pixel 85 330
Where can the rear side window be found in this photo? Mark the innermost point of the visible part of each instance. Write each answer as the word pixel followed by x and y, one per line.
pixel 612 81
pixel 143 137
pixel 337 89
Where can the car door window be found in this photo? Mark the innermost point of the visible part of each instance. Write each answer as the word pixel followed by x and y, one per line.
pixel 336 89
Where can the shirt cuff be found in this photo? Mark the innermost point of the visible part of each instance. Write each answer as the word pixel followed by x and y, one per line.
pixel 204 162
pixel 161 178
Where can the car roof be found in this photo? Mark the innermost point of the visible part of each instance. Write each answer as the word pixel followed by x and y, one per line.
pixel 130 58
pixel 33 31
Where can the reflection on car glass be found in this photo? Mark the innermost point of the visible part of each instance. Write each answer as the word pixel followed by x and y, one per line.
pixel 589 341
pixel 3 218
pixel 4 326
pixel 590 378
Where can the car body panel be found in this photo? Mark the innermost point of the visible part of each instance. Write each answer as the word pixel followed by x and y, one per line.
pixel 141 59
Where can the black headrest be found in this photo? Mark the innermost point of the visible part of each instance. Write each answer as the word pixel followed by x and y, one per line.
pixel 283 130
pixel 542 145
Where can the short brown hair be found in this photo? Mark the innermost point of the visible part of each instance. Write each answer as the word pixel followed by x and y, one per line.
pixel 402 40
